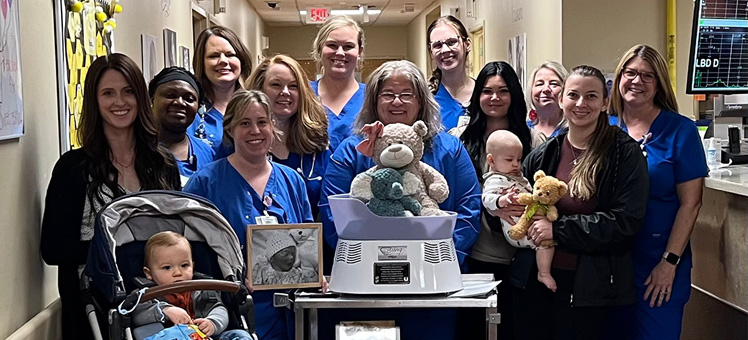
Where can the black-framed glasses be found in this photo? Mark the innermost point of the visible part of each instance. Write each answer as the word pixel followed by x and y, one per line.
pixel 390 97
pixel 646 77
pixel 451 43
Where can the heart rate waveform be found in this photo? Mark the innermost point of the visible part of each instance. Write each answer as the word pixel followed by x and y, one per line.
pixel 724 9
pixel 721 58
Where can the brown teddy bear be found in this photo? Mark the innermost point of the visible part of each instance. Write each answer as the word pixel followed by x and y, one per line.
pixel 400 147
pixel 545 193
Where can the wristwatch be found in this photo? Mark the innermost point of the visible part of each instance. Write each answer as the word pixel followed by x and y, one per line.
pixel 671 258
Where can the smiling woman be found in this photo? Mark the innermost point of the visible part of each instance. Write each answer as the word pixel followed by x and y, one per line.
pixel 176 96
pixel 397 92
pixel 449 46
pixel 338 50
pixel 119 154
pixel 221 62
pixel 247 188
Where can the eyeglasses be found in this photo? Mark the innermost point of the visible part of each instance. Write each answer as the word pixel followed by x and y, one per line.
pixel 646 77
pixel 450 42
pixel 390 97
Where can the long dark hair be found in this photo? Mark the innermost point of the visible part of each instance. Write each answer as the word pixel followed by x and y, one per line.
pixel 474 135
pixel 436 75
pixel 155 168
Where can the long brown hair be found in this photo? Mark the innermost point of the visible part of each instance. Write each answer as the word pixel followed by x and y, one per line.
pixel 665 97
pixel 198 61
pixel 307 131
pixel 154 167
pixel 584 174
pixel 436 75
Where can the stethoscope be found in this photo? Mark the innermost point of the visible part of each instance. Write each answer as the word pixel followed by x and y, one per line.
pixel 300 169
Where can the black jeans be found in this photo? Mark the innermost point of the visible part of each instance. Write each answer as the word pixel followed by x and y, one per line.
pixel 542 314
pixel 471 322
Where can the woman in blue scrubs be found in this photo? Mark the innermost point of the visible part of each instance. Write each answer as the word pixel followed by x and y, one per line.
pixel 221 62
pixel 645 103
pixel 300 119
pixel 175 97
pixel 247 188
pixel 397 93
pixel 338 51
pixel 546 115
pixel 449 46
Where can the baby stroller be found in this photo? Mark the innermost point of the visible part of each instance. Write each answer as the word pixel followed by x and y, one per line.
pixel 116 257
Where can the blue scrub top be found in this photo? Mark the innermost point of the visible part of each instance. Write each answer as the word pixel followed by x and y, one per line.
pixel 208 127
pixel 450 108
pixel 558 130
pixel 340 126
pixel 200 155
pixel 447 155
pixel 674 155
pixel 311 167
pixel 240 204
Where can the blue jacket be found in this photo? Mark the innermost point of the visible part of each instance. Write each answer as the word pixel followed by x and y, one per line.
pixel 447 155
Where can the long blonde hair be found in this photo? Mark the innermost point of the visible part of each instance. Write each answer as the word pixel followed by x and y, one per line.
pixel 308 127
pixel 584 174
pixel 665 97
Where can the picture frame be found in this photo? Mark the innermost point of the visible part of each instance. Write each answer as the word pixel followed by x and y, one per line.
pixel 170 48
pixel 272 265
pixel 184 53
pixel 148 50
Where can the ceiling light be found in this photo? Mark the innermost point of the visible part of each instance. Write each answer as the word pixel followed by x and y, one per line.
pixel 359 11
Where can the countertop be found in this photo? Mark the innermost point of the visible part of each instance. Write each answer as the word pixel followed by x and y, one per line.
pixel 732 179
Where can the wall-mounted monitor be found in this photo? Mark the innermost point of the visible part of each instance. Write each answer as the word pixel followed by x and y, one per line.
pixel 718 62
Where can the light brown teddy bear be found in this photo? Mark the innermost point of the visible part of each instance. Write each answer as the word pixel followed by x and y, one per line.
pixel 545 193
pixel 400 147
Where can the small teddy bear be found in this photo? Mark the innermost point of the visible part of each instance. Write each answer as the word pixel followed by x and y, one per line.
pixel 305 248
pixel 388 200
pixel 400 146
pixel 546 191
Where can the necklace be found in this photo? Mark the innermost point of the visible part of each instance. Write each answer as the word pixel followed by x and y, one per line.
pixel 123 165
pixel 574 154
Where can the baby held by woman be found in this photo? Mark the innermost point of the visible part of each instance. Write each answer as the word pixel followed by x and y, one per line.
pixel 501 185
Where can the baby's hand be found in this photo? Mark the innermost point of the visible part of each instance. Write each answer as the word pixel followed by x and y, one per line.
pixel 510 197
pixel 177 315
pixel 206 326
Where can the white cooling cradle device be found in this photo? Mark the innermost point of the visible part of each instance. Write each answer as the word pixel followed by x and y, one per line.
pixel 379 255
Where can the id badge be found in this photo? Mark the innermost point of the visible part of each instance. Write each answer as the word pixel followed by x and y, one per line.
pixel 464 120
pixel 266 219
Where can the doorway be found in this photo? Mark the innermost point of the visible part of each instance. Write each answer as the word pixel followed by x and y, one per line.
pixel 430 17
pixel 478 53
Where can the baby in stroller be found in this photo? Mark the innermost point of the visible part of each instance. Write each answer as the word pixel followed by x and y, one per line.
pixel 168 259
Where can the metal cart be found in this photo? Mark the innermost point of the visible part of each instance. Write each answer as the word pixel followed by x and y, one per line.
pixel 306 306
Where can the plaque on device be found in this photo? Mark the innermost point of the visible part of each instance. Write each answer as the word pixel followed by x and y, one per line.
pixel 391 273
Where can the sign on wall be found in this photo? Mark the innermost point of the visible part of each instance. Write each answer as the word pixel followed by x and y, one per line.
pixel 11 100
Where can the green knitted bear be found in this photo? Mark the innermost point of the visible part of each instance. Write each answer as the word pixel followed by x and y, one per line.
pixel 388 200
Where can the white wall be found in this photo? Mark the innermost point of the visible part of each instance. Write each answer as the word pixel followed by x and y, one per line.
pixel 381 41
pixel 28 286
pixel 540 20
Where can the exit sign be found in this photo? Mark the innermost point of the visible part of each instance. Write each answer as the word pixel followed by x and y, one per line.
pixel 318 15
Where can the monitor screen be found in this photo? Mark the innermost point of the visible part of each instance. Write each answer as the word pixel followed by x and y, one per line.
pixel 718 61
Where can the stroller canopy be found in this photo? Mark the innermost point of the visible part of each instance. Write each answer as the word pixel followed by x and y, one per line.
pixel 138 216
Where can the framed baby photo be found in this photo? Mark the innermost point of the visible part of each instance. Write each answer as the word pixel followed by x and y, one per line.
pixel 284 256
